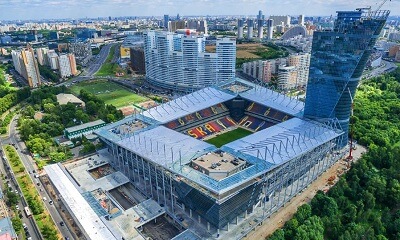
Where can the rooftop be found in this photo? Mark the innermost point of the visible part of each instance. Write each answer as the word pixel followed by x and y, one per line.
pixel 91 224
pixel 85 125
pixel 7 228
pixel 64 98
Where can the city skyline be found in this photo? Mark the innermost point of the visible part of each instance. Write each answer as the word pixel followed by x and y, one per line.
pixel 50 9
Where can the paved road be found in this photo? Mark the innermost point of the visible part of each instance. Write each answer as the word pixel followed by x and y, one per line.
pixel 30 166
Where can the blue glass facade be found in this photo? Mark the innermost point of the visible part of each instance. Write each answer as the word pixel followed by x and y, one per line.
pixel 338 58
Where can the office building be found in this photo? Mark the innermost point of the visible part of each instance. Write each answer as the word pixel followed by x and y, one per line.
pixel 26 65
pixel 338 58
pixel 166 21
pixel 178 61
pixel 250 26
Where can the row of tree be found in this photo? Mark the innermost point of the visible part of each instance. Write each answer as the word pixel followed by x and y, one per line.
pixel 365 203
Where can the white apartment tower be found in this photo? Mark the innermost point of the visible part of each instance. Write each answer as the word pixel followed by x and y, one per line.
pixel 26 65
pixel 65 66
pixel 180 62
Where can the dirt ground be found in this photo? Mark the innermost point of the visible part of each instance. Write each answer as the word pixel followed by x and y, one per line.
pixel 278 219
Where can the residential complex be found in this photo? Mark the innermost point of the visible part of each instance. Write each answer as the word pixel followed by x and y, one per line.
pixel 179 62
pixel 26 65
pixel 290 72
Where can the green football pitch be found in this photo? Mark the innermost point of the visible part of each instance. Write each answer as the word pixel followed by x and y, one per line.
pixel 111 93
pixel 228 137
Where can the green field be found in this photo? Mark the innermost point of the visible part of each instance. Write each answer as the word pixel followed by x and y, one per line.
pixel 111 93
pixel 228 137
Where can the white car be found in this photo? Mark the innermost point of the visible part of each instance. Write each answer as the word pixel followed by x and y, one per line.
pixel 17 207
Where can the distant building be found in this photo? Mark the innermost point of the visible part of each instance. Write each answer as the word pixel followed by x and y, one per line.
pixel 302 64
pixel 26 65
pixel 240 28
pixel 64 98
pixel 54 35
pixel 250 26
pixel 301 20
pixel 82 51
pixel 166 21
pixel 281 20
pixel 5 39
pixel 83 129
pixel 394 50
pixel 175 25
pixel 270 28
pixel 72 63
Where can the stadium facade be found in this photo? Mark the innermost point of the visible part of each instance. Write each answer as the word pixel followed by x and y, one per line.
pixel 164 153
pixel 228 191
pixel 338 58
pixel 179 61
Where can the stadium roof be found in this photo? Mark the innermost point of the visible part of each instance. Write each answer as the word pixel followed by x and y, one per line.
pixel 165 146
pixel 284 141
pixel 79 207
pixel 275 100
pixel 187 104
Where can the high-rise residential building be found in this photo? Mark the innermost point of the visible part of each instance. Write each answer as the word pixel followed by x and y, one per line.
pixel 240 28
pixel 260 23
pixel 180 62
pixel 250 26
pixel 175 25
pixel 72 63
pixel 52 59
pixel 202 28
pixel 281 20
pixel 301 20
pixel 82 51
pixel 64 65
pixel 270 28
pixel 338 58
pixel 302 64
pixel 287 77
pixel 41 54
pixel 26 65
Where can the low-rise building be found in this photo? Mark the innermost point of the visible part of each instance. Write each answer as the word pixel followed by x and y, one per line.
pixel 83 129
pixel 64 98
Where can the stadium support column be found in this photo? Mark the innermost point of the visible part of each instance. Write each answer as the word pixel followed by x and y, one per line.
pixel 208 226
pixel 190 212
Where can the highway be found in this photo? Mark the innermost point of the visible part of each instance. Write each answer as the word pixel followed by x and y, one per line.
pixel 28 162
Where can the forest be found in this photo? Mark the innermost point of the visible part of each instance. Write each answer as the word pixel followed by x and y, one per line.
pixel 365 203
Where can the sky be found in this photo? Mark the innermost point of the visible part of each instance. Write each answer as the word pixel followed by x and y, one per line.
pixel 56 9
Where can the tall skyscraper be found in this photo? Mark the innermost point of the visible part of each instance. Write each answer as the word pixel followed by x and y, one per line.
pixel 25 64
pixel 260 23
pixel 270 28
pixel 250 26
pixel 179 62
pixel 301 20
pixel 338 58
pixel 166 20
pixel 260 15
pixel 240 28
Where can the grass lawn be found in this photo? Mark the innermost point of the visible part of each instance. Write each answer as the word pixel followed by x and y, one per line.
pixel 229 137
pixel 111 93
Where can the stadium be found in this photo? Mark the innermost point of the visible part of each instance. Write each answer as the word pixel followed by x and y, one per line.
pixel 223 156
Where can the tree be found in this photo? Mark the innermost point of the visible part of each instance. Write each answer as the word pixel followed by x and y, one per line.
pixel 277 235
pixel 12 198
pixel 303 213
pixel 17 223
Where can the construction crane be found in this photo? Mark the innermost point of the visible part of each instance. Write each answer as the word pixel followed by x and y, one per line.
pixel 370 10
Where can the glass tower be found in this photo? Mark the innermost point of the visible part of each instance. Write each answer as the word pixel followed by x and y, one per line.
pixel 338 58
